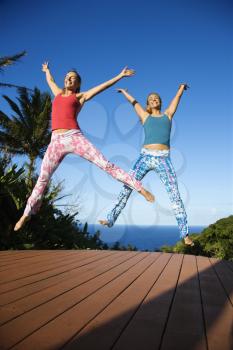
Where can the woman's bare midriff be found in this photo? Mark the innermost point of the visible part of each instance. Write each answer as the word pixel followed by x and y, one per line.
pixel 157 146
pixel 60 130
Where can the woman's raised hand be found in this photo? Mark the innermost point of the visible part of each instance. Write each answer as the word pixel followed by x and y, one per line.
pixel 45 66
pixel 127 72
pixel 122 90
pixel 185 86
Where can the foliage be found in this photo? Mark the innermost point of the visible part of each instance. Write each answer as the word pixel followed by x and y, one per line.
pixel 11 194
pixel 214 241
pixel 8 61
pixel 117 246
pixel 49 229
pixel 26 132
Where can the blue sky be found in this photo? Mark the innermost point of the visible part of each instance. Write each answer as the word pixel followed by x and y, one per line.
pixel 167 43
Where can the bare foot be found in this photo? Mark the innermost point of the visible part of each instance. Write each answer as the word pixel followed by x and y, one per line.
pixel 188 241
pixel 21 222
pixel 103 222
pixel 149 196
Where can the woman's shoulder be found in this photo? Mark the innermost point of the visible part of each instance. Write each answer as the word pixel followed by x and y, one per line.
pixel 145 118
pixel 80 97
pixel 59 93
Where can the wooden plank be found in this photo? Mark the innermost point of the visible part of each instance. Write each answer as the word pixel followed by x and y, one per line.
pixel 63 284
pixel 146 327
pixel 117 300
pixel 7 252
pixel 229 264
pixel 107 326
pixel 29 254
pixel 225 276
pixel 24 272
pixel 24 252
pixel 4 260
pixel 78 304
pixel 31 262
pixel 17 253
pixel 75 268
pixel 42 261
pixel 60 269
pixel 185 326
pixel 217 308
pixel 41 264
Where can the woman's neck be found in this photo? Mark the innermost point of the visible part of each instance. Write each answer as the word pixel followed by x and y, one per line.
pixel 155 111
pixel 67 92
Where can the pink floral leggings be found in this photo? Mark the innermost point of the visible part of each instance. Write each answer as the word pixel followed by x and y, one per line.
pixel 72 141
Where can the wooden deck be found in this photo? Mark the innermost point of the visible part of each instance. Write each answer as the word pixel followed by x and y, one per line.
pixel 117 300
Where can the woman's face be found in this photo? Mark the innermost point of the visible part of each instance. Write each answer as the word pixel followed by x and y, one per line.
pixel 71 81
pixel 154 101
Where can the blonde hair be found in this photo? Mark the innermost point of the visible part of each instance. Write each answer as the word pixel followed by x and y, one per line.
pixel 148 109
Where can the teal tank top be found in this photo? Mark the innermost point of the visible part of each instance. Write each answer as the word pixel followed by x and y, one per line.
pixel 157 130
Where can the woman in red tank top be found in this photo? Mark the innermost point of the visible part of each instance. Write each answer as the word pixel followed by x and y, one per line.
pixel 68 138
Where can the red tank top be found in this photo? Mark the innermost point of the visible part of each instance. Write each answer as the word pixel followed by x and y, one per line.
pixel 64 112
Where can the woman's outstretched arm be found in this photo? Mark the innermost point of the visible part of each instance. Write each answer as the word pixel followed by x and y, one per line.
pixel 170 111
pixel 138 108
pixel 51 82
pixel 97 89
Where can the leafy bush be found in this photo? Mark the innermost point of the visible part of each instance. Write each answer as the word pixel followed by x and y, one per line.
pixel 214 241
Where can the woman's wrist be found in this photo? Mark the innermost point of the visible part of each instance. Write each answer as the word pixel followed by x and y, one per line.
pixel 120 75
pixel 180 90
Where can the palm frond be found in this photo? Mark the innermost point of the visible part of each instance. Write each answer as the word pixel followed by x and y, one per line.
pixel 9 60
pixel 24 100
pixel 5 121
pixel 14 86
pixel 11 143
pixel 14 106
pixel 11 126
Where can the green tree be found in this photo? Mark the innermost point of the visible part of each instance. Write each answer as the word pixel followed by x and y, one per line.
pixel 217 239
pixel 214 241
pixel 27 131
pixel 131 247
pixel 116 246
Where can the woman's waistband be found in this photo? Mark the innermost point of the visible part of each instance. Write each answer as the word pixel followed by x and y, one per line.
pixel 156 152
pixel 66 133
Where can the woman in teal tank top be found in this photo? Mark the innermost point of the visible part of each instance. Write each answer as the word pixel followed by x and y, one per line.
pixel 155 155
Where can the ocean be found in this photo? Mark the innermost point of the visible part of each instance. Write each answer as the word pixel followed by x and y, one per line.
pixel 142 237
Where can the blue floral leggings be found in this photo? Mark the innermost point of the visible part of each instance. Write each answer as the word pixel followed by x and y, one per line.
pixel 160 162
